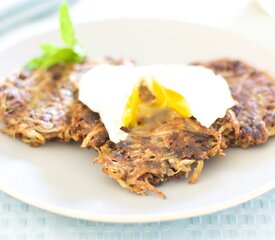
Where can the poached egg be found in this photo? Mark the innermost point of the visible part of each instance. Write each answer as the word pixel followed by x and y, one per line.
pixel 113 92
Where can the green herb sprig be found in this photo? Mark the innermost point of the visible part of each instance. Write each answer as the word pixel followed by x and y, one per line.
pixel 72 50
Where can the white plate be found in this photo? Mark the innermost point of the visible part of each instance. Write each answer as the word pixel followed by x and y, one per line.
pixel 60 177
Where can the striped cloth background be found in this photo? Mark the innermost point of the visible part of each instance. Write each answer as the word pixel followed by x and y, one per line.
pixel 15 13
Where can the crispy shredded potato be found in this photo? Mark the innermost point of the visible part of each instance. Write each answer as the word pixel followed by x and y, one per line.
pixel 42 105
pixel 160 150
pixel 252 119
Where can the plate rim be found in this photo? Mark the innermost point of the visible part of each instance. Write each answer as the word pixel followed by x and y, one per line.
pixel 47 28
pixel 143 218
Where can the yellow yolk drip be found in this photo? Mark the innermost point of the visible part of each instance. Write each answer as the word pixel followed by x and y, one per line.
pixel 130 116
pixel 168 98
pixel 164 97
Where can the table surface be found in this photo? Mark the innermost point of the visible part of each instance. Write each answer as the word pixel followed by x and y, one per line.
pixel 254 219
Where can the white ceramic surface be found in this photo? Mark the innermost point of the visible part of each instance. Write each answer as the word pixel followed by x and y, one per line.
pixel 61 178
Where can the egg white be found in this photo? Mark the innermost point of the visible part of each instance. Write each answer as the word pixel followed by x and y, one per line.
pixel 106 89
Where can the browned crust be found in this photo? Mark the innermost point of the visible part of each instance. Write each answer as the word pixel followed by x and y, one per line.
pixel 254 92
pixel 86 127
pixel 157 151
pixel 34 105
pixel 248 123
pixel 42 106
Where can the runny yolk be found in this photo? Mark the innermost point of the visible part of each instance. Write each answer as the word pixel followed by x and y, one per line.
pixel 164 97
pixel 130 116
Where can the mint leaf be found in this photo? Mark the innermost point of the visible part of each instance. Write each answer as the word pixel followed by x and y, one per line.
pixel 33 63
pixel 49 58
pixel 62 55
pixel 52 54
pixel 49 48
pixel 66 27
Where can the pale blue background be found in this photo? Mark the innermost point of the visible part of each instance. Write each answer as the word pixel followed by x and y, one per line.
pixel 251 220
